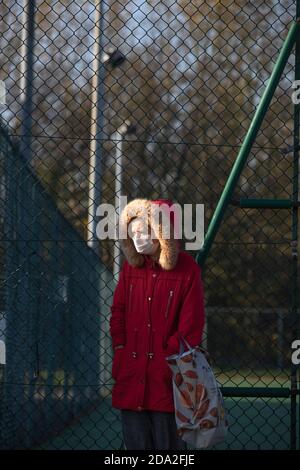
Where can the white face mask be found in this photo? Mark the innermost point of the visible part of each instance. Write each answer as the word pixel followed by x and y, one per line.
pixel 144 244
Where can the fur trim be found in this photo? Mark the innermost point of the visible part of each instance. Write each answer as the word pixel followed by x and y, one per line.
pixel 169 247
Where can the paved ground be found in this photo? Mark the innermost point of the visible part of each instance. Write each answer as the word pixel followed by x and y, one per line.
pixel 254 424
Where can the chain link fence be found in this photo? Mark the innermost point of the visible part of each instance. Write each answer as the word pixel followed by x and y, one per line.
pixel 152 99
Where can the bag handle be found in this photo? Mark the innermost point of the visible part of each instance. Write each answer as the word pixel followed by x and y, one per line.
pixel 183 340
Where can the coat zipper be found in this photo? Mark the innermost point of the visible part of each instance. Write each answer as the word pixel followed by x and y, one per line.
pixel 166 316
pixel 151 352
pixel 130 295
pixel 134 352
pixel 168 304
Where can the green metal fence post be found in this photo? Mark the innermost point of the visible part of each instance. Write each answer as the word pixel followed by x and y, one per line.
pixel 294 243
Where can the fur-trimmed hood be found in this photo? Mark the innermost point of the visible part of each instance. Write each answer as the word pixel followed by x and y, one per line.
pixel 168 251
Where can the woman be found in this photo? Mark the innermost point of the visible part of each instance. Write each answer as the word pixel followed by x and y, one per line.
pixel 159 296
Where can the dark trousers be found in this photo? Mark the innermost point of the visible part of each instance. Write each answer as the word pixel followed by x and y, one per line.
pixel 146 430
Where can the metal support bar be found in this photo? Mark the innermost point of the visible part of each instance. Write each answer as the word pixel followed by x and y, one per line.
pixel 265 203
pixel 248 142
pixel 256 392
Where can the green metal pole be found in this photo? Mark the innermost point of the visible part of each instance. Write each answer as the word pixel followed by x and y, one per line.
pixel 248 142
pixel 256 392
pixel 294 245
pixel 266 203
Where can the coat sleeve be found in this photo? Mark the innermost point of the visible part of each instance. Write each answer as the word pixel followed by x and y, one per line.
pixel 117 319
pixel 191 316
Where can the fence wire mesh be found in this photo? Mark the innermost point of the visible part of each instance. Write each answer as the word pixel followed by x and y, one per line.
pixel 172 88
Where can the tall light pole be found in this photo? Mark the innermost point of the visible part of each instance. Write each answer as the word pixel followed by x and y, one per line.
pixel 101 58
pixel 118 137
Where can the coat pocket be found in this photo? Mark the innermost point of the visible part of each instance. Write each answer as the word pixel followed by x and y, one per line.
pixel 124 365
pixel 171 292
pixel 116 365
pixel 166 316
pixel 130 297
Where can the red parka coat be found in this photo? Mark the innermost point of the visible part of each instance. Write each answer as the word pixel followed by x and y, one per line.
pixel 154 302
